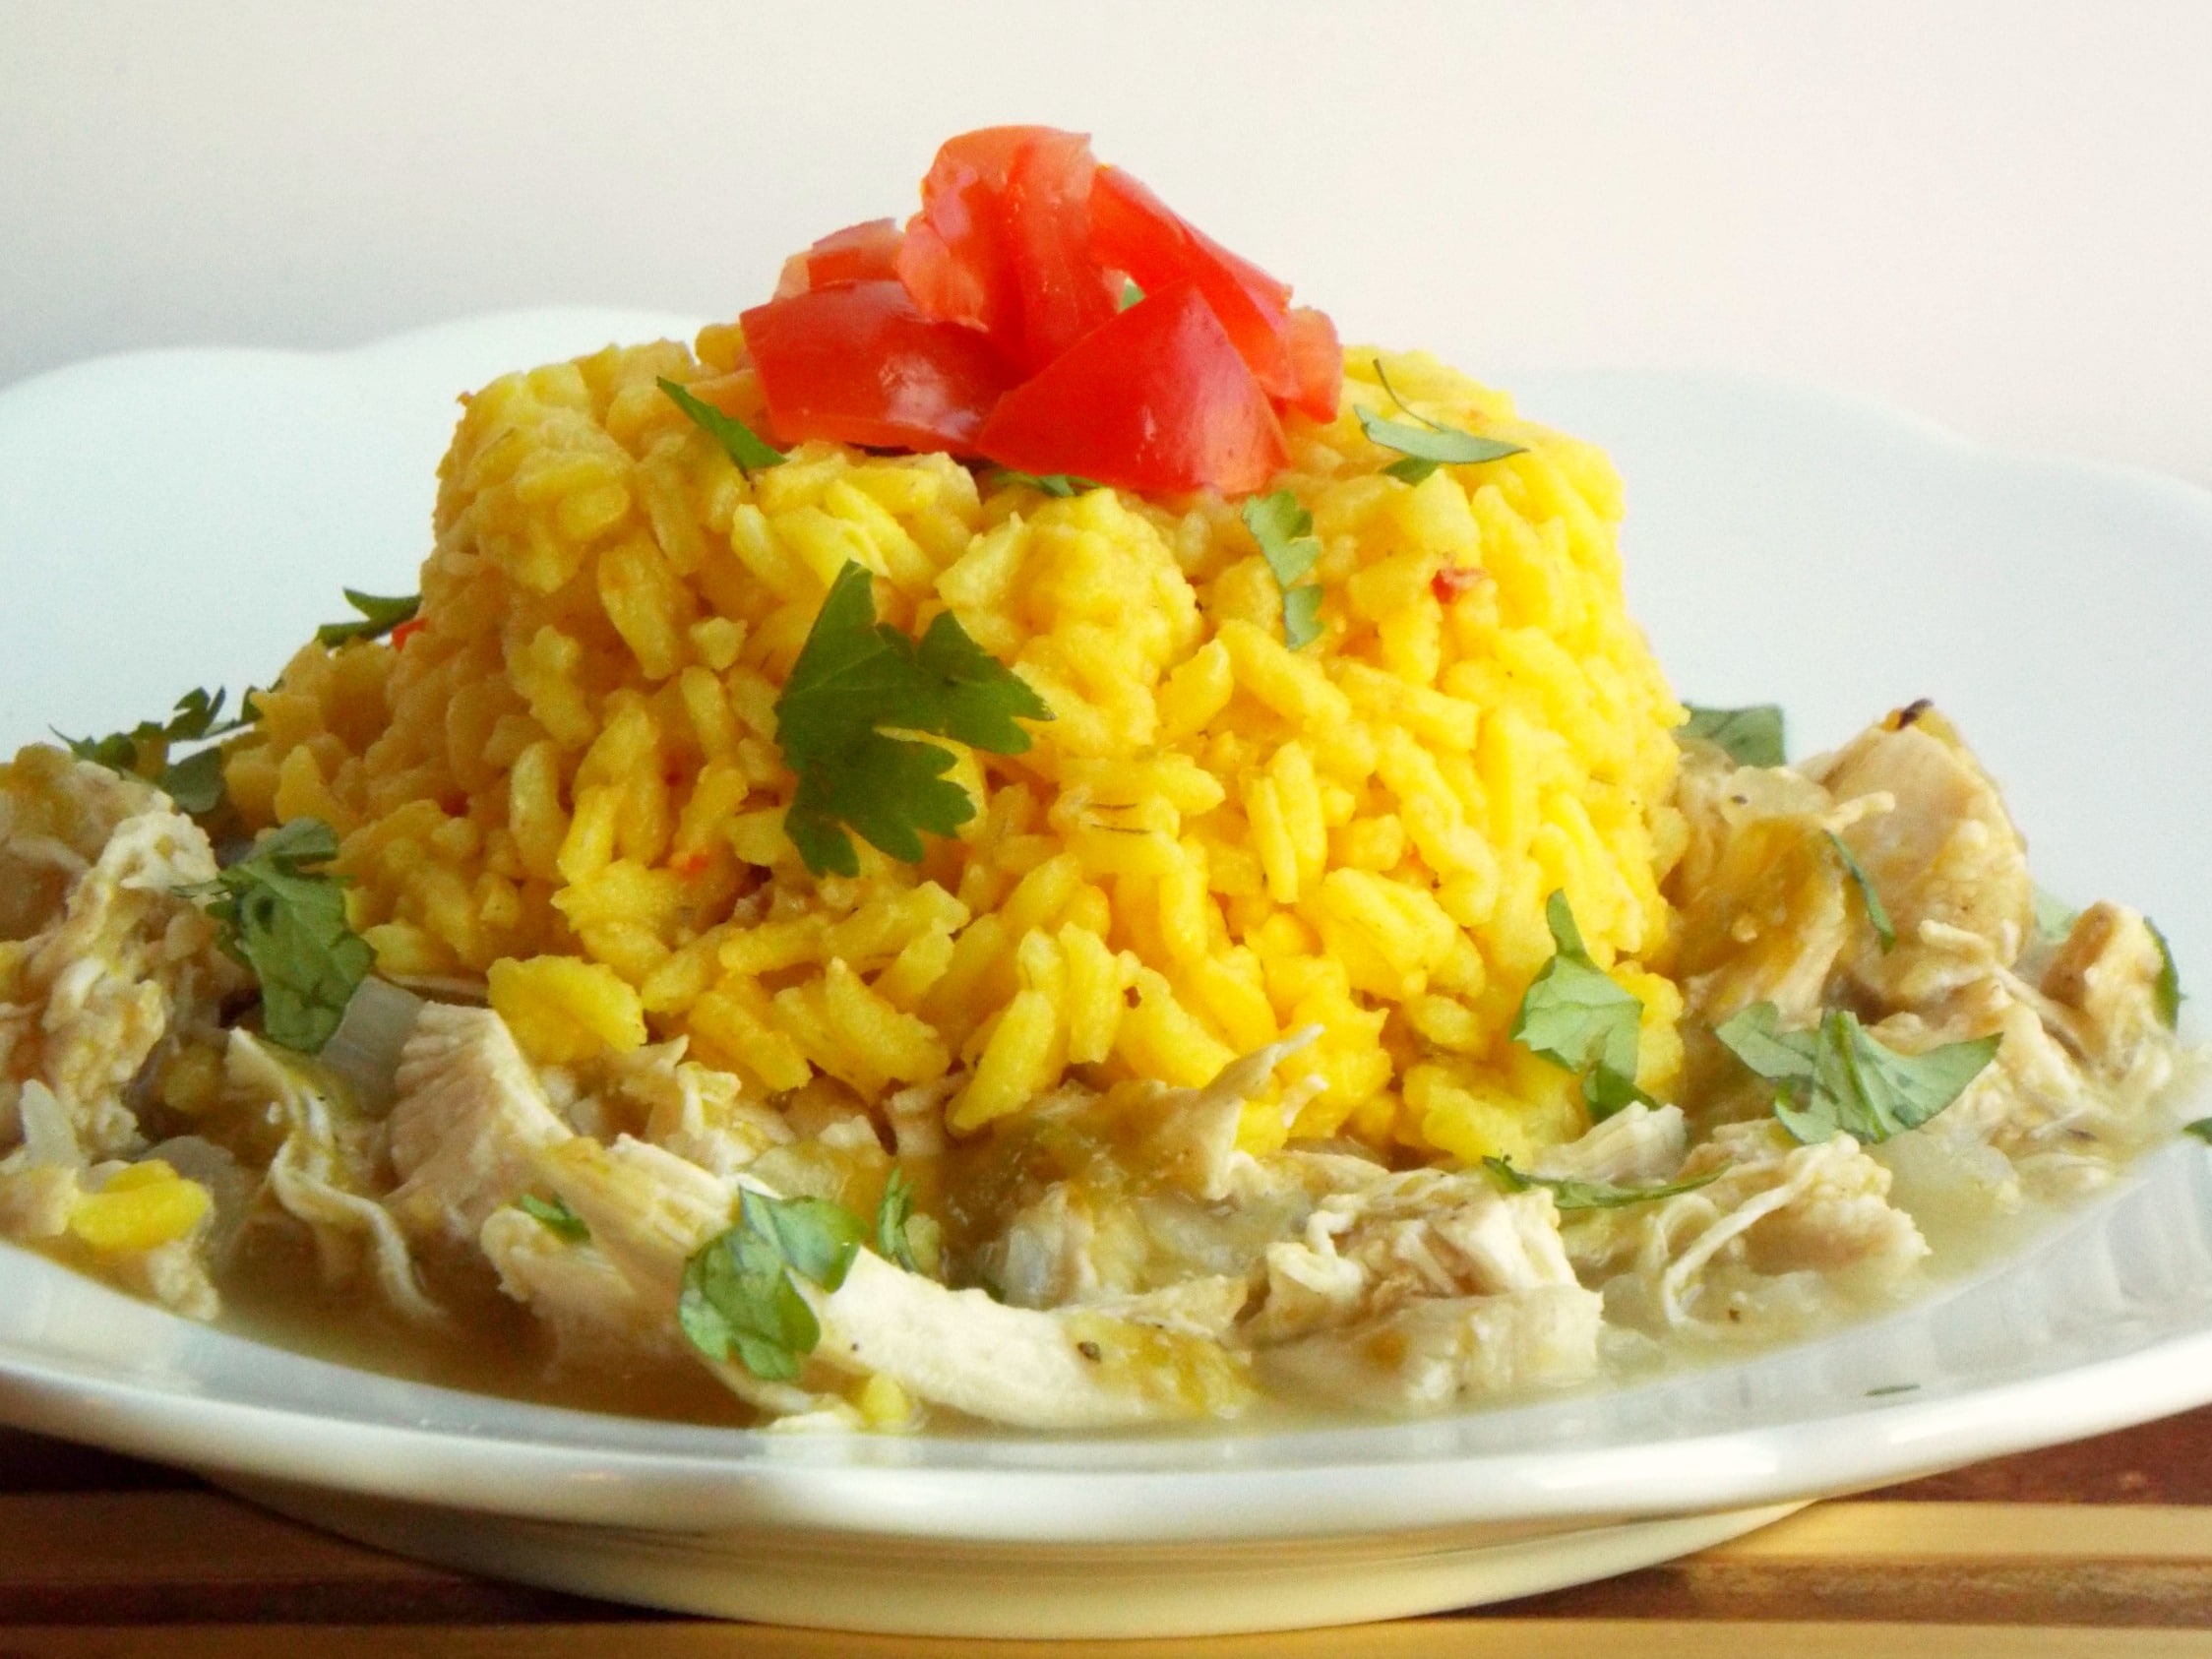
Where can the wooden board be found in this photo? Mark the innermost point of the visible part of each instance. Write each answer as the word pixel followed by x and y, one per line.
pixel 2099 1549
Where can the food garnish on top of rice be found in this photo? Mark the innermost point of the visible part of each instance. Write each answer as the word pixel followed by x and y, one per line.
pixel 1018 835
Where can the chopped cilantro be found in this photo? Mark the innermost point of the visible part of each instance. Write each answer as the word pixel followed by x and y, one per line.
pixel 559 1220
pixel 1131 293
pixel 288 926
pixel 194 782
pixel 1060 484
pixel 2201 1129
pixel 1878 913
pixel 2054 916
pixel 1837 1078
pixel 1891 1388
pixel 378 618
pixel 855 675
pixel 1575 1015
pixel 1751 737
pixel 892 1216
pixel 751 452
pixel 2166 990
pixel 1569 1193
pixel 1285 533
pixel 1428 445
pixel 739 1297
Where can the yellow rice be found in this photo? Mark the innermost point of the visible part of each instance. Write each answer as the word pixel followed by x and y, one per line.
pixel 568 782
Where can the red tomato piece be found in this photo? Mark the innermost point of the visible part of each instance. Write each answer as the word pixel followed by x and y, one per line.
pixel 859 253
pixel 859 363
pixel 1157 399
pixel 1065 291
pixel 958 261
pixel 1134 230
pixel 1317 363
pixel 1451 581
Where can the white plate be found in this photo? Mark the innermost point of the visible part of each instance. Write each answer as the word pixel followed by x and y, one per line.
pixel 177 518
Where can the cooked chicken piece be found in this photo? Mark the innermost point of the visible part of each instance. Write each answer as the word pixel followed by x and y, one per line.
pixel 1186 1138
pixel 1777 1209
pixel 469 1116
pixel 1764 915
pixel 1638 1145
pixel 694 1111
pixel 595 1313
pixel 1422 1233
pixel 1427 1355
pixel 1945 858
pixel 99 959
pixel 650 1211
pixel 322 1176
pixel 2106 972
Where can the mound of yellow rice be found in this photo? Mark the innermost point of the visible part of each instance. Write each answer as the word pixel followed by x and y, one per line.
pixel 567 785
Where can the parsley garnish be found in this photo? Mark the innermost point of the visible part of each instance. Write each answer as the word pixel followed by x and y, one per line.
pixel 559 1220
pixel 752 453
pixel 290 927
pixel 2166 990
pixel 855 674
pixel 892 1217
pixel 1835 1076
pixel 378 618
pixel 2201 1129
pixel 1060 484
pixel 739 1296
pixel 1751 737
pixel 1877 912
pixel 1285 533
pixel 194 782
pixel 1575 1015
pixel 1428 445
pixel 1569 1193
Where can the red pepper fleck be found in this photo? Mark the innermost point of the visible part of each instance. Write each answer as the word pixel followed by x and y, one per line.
pixel 406 631
pixel 1449 583
pixel 691 866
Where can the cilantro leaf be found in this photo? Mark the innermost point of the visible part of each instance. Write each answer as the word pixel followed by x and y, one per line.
pixel 1838 1077
pixel 1877 912
pixel 1428 445
pixel 854 675
pixel 558 1219
pixel 378 618
pixel 891 1218
pixel 1575 1015
pixel 2166 990
pixel 288 926
pixel 2054 916
pixel 195 783
pixel 1751 737
pixel 739 1295
pixel 1131 293
pixel 1568 1194
pixel 752 453
pixel 1060 484
pixel 1285 533
pixel 2201 1129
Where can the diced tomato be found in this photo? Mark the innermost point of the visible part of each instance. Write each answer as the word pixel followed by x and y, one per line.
pixel 406 631
pixel 1064 292
pixel 1003 241
pixel 1134 230
pixel 859 363
pixel 1157 399
pixel 1455 579
pixel 958 261
pixel 1317 363
pixel 859 253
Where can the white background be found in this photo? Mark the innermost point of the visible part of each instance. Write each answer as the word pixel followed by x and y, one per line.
pixel 2000 216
